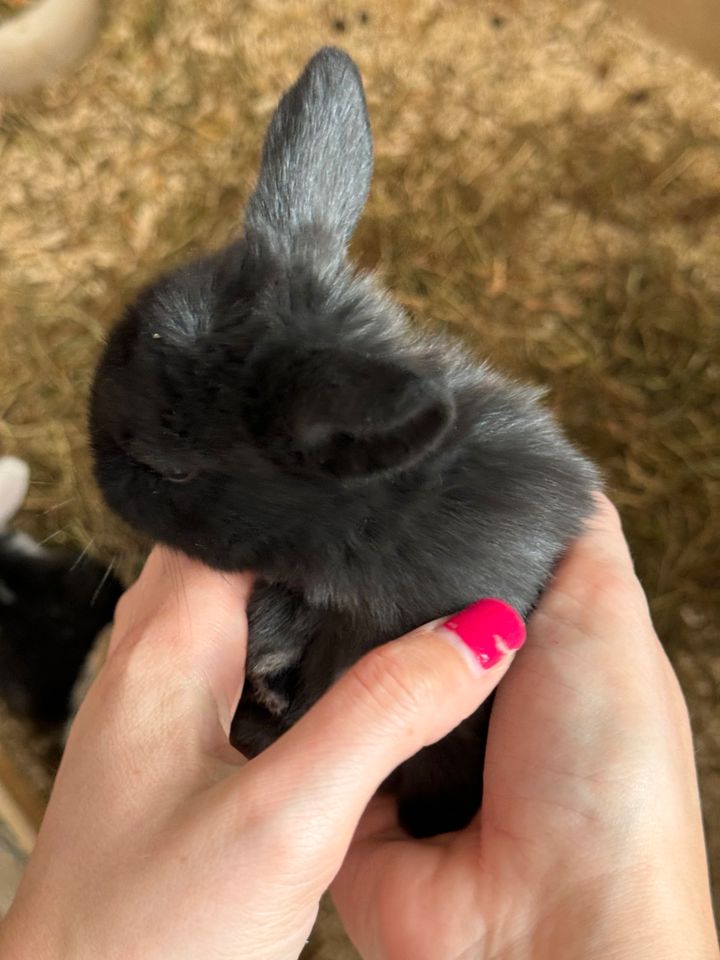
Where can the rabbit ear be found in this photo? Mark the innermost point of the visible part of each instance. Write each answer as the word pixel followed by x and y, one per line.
pixel 346 414
pixel 14 481
pixel 316 160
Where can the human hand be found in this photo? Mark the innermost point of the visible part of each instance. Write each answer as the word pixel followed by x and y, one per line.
pixel 589 842
pixel 159 840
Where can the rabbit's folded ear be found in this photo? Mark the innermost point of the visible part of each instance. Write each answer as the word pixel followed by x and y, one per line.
pixel 14 482
pixel 346 414
pixel 316 161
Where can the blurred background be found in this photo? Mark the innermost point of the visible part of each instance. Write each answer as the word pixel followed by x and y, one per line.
pixel 547 187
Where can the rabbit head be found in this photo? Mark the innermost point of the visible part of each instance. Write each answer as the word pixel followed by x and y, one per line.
pixel 262 383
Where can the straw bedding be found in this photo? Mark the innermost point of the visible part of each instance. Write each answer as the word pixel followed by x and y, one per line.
pixel 547 185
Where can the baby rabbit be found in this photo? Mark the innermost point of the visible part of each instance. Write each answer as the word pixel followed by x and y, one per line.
pixel 268 408
pixel 53 602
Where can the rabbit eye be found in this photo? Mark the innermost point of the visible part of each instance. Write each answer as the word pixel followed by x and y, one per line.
pixel 180 476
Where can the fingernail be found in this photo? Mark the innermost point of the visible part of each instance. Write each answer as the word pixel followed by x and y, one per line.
pixel 484 626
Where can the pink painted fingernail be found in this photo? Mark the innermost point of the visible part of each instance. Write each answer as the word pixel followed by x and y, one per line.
pixel 483 625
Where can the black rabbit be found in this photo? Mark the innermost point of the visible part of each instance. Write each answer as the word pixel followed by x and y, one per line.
pixel 268 408
pixel 53 602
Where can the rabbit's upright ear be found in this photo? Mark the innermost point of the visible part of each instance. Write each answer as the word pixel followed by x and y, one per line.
pixel 14 482
pixel 316 160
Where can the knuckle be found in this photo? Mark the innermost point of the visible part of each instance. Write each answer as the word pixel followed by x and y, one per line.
pixel 124 609
pixel 608 510
pixel 394 681
pixel 130 666
pixel 605 593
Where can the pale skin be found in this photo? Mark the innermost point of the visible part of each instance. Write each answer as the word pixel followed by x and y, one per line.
pixel 161 842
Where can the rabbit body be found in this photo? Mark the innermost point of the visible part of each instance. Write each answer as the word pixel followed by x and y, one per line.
pixel 53 602
pixel 268 408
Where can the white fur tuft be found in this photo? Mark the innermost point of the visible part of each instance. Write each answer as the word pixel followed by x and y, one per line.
pixel 14 481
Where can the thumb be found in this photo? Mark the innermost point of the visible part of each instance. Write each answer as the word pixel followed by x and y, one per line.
pixel 397 699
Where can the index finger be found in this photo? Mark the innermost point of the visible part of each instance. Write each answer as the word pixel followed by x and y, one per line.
pixel 183 612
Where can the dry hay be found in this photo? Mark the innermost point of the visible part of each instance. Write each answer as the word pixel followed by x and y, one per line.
pixel 547 185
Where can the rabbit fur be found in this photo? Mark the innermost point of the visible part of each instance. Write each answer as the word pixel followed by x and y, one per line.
pixel 52 604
